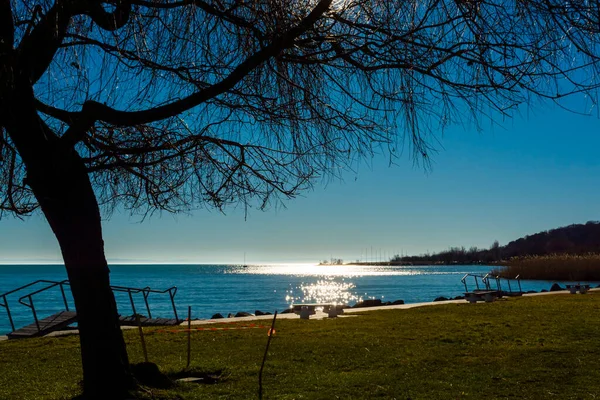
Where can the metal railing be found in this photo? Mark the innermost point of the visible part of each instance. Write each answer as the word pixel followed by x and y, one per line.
pixel 516 278
pixel 476 279
pixel 487 278
pixel 484 282
pixel 30 298
pixel 27 300
pixel 145 293
pixel 172 292
pixel 5 299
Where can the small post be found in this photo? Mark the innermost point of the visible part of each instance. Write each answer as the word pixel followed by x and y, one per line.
pixel 131 301
pixel 146 294
pixel 270 334
pixel 141 331
pixel 189 347
pixel 172 296
pixel 12 324
pixel 62 290
pixel 37 323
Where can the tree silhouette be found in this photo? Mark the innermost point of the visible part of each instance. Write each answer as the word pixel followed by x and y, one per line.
pixel 171 105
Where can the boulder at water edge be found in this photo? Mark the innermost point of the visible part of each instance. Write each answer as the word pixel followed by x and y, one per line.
pixel 258 312
pixel 217 316
pixel 368 303
pixel 556 287
pixel 243 314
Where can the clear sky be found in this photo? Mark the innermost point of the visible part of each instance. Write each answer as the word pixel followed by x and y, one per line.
pixel 537 171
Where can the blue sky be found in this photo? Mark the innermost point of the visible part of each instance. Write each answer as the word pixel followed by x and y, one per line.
pixel 534 172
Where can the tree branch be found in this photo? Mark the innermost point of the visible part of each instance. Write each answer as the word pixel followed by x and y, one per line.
pixel 109 21
pixel 37 49
pixel 207 8
pixel 124 118
pixel 7 29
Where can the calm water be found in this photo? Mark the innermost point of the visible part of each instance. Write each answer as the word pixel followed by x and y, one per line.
pixel 224 289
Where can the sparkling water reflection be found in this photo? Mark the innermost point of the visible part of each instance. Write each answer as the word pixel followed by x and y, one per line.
pixel 332 270
pixel 326 290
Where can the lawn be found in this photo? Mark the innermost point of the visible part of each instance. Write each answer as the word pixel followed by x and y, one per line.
pixel 522 348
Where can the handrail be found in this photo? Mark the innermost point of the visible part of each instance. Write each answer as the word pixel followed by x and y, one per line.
pixel 516 278
pixel 475 276
pixel 145 293
pixel 26 286
pixel 32 306
pixel 486 281
pixel 5 304
pixel 129 291
pixel 172 292
pixel 27 300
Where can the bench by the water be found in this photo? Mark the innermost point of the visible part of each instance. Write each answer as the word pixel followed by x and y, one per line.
pixel 482 295
pixel 306 310
pixel 578 288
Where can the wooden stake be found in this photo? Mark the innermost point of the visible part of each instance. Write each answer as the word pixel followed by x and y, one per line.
pixel 139 324
pixel 189 347
pixel 270 334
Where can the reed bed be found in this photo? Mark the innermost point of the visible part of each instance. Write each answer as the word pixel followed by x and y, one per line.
pixel 557 267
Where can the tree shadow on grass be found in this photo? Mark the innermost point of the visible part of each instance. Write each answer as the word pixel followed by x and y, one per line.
pixel 149 379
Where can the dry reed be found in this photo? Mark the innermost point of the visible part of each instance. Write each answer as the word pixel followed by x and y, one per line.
pixel 558 267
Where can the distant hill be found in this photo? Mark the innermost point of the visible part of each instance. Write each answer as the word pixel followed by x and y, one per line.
pixel 572 239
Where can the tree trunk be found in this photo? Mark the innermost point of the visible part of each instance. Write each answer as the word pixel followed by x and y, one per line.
pixel 58 178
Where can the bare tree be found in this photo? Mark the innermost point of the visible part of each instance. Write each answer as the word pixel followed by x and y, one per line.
pixel 176 104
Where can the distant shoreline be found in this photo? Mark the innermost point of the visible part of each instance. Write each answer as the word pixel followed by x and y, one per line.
pixel 417 263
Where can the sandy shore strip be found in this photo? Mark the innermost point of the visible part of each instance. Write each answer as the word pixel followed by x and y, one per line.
pixel 348 312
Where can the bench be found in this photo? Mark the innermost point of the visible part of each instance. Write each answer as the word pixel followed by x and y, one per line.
pixel 306 310
pixel 578 288
pixel 481 295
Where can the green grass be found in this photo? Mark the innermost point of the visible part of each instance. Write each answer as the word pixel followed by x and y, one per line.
pixel 522 348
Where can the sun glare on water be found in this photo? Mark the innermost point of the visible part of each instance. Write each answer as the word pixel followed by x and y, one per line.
pixel 326 290
pixel 326 270
pixel 324 283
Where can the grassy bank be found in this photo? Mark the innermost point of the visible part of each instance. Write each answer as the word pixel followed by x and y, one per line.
pixel 557 267
pixel 527 348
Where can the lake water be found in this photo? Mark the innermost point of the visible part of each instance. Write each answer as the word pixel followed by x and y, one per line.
pixel 225 289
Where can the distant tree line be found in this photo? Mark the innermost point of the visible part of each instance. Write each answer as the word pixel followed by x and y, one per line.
pixel 332 261
pixel 572 239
